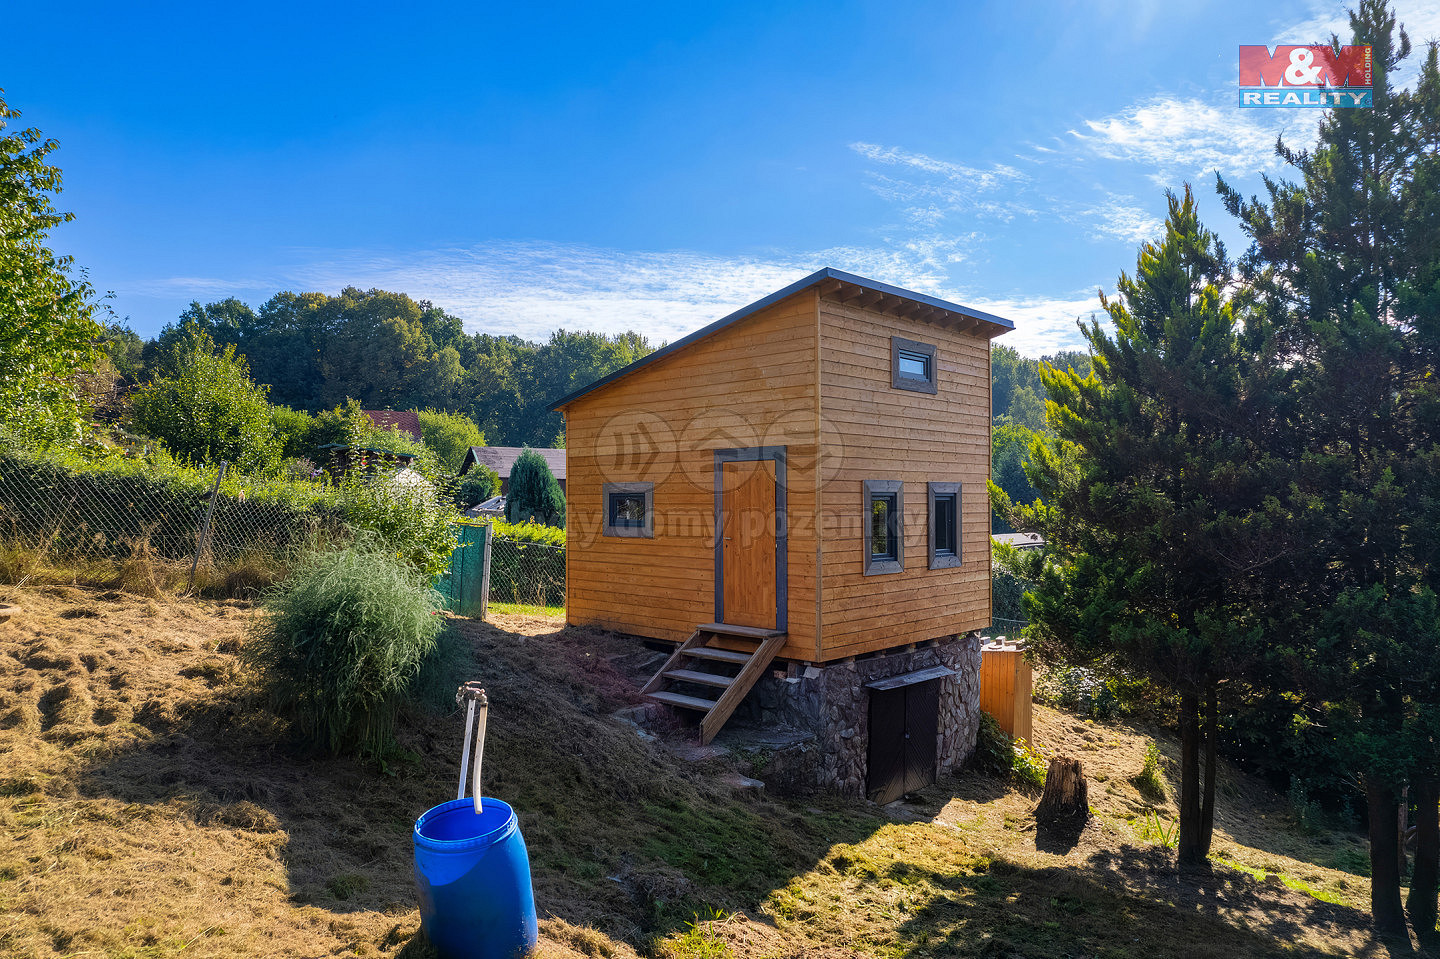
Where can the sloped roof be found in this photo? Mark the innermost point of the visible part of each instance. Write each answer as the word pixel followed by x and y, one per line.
pixel 832 282
pixel 406 421
pixel 1019 540
pixel 502 458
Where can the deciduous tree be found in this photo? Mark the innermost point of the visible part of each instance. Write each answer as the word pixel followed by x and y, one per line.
pixel 47 329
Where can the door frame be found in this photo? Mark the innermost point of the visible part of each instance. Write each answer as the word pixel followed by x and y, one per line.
pixel 753 454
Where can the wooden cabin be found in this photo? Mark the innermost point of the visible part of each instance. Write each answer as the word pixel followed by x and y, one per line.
pixel 804 479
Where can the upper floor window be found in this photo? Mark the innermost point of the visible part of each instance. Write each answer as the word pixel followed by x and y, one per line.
pixel 912 365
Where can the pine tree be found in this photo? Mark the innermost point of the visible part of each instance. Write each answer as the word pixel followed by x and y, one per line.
pixel 1344 263
pixel 1154 493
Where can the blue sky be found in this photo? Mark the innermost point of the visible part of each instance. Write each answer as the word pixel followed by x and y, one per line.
pixel 643 166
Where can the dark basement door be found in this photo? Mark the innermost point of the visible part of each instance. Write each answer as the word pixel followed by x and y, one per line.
pixel 904 727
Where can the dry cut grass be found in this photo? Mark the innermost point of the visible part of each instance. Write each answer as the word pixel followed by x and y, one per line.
pixel 151 808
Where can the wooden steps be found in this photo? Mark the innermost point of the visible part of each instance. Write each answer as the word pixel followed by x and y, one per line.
pixel 744 632
pixel 720 655
pixel 685 669
pixel 680 699
pixel 706 679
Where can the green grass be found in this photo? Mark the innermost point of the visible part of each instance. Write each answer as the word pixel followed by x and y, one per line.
pixel 1299 885
pixel 527 609
pixel 1149 780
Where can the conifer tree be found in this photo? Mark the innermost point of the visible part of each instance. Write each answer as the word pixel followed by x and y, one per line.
pixel 534 493
pixel 1344 262
pixel 1154 493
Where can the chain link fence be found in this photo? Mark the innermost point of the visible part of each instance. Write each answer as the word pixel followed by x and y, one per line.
pixel 527 574
pixel 1011 629
pixel 63 514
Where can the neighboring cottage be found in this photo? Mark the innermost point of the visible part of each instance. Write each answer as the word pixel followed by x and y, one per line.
pixel 403 421
pixel 1019 540
pixel 805 480
pixel 502 459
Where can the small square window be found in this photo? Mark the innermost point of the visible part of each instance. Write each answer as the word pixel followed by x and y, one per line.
pixel 944 525
pixel 884 521
pixel 629 509
pixel 912 365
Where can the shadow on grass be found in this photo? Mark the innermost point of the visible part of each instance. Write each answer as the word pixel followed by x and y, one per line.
pixel 624 838
pixel 1130 902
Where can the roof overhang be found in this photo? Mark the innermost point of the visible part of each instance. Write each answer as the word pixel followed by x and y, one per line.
pixel 838 286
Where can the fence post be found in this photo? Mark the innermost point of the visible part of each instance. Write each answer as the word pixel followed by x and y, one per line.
pixel 485 572
pixel 205 529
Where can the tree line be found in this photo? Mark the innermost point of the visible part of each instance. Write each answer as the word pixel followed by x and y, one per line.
pixel 389 351
pixel 1240 499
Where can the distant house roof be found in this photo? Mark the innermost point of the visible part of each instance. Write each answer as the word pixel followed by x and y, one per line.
pixel 494 506
pixel 1019 540
pixel 834 281
pixel 502 458
pixel 406 421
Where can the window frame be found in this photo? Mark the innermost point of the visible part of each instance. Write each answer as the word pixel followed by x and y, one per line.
pixel 914 384
pixel 880 565
pixel 646 530
pixel 935 491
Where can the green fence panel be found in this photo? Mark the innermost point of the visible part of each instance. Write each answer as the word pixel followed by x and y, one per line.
pixel 466 585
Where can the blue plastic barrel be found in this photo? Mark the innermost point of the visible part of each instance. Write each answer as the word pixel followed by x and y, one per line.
pixel 473 873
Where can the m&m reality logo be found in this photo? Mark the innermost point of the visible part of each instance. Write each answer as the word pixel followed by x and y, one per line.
pixel 1315 75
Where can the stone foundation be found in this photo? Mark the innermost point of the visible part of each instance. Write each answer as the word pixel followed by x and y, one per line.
pixel 832 704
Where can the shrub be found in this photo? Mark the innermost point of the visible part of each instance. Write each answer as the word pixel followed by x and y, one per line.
pixel 1084 691
pixel 528 533
pixel 476 486
pixel 1028 766
pixel 206 408
pixel 994 750
pixel 450 435
pixel 47 328
pixel 292 430
pixel 1149 780
pixel 344 640
pixel 405 516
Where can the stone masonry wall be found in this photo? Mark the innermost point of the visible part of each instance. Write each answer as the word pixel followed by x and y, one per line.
pixel 833 703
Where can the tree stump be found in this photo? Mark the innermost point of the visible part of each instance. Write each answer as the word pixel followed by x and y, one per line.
pixel 1065 803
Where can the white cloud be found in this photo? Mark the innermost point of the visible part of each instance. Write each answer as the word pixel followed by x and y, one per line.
pixel 1183 138
pixel 929 189
pixel 199 287
pixel 531 289
pixel 1043 325
pixel 1420 18
pixel 958 173
pixel 1118 218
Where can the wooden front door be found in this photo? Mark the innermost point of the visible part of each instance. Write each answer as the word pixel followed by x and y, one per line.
pixel 748 555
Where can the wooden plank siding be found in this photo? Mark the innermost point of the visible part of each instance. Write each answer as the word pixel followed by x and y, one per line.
pixel 872 431
pixel 753 384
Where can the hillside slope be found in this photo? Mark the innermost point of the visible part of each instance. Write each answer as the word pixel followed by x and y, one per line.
pixel 150 806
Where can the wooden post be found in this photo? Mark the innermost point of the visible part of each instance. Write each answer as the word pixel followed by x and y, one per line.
pixel 485 571
pixel 205 528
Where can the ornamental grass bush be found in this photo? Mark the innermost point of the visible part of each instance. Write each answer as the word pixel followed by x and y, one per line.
pixel 343 645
